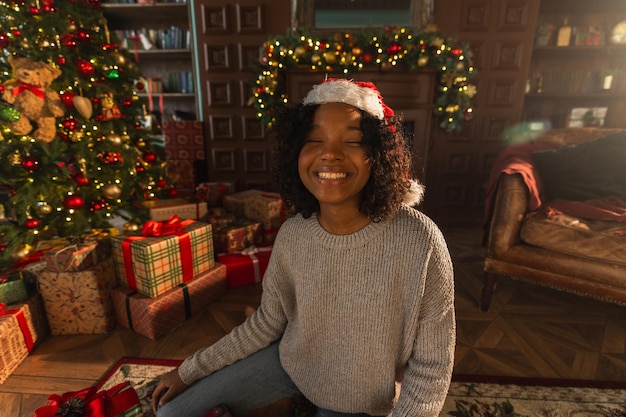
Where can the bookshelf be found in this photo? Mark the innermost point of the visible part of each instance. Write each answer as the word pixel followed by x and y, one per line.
pixel 158 36
pixel 588 72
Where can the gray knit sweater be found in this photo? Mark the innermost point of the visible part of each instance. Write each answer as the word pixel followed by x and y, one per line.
pixel 356 313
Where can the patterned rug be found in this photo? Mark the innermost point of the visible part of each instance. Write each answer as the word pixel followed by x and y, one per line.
pixel 469 396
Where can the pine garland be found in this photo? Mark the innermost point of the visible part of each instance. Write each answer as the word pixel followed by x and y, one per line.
pixel 352 52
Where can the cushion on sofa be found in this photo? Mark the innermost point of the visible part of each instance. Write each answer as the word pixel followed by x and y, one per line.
pixel 596 239
pixel 585 171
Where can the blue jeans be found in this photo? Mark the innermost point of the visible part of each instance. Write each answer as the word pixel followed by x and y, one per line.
pixel 244 386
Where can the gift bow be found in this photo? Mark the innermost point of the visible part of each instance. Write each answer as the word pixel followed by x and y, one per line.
pixel 90 403
pixel 171 226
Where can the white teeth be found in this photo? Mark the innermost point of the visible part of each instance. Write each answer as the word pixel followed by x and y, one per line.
pixel 332 175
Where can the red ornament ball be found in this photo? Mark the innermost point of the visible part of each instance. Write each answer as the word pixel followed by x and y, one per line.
pixel 161 183
pixel 149 157
pixel 33 10
pixel 67 97
pixel 85 68
pixel 82 35
pixel 367 58
pixel 172 192
pixel 30 163
pixel 31 223
pixel 394 48
pixel 61 60
pixel 73 202
pixel 16 32
pixel 81 180
pixel 70 123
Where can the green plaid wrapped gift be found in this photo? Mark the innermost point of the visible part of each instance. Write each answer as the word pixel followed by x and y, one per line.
pixel 13 286
pixel 167 253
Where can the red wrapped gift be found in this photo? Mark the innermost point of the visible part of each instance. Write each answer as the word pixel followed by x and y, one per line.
pixel 119 401
pixel 246 267
pixel 156 317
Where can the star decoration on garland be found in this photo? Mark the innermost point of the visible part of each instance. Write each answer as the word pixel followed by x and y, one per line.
pixel 352 52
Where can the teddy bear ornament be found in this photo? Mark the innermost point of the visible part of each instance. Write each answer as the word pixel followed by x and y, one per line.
pixel 29 92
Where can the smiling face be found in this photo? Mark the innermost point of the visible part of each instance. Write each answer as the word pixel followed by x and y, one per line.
pixel 333 163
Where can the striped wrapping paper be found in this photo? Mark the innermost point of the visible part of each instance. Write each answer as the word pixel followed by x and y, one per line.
pixel 156 317
pixel 155 265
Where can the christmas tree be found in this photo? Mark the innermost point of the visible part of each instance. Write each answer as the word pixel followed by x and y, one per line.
pixel 74 155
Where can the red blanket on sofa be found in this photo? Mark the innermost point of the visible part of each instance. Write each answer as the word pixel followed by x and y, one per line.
pixel 517 159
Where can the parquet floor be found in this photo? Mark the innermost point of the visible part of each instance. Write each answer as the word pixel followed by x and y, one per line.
pixel 529 331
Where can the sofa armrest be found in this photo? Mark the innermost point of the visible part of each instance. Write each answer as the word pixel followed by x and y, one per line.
pixel 509 209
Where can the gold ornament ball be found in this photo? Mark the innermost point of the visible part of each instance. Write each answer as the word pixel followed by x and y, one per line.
pixel 119 58
pixel 356 51
pixel 111 191
pixel 330 57
pixel 115 139
pixel 130 227
pixel 43 208
pixel 300 51
pixel 315 59
pixel 422 61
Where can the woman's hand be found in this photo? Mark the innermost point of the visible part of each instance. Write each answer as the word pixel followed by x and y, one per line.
pixel 168 387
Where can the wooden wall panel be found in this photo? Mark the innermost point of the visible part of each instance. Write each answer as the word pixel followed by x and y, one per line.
pixel 500 33
pixel 230 34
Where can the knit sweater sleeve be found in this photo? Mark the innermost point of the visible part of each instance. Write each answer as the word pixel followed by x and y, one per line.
pixel 429 369
pixel 259 330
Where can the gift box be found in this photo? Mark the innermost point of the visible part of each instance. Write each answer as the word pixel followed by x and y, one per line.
pixel 14 286
pixel 246 267
pixel 22 326
pixel 79 302
pixel 161 210
pixel 118 401
pixel 218 217
pixel 235 203
pixel 156 317
pixel 165 255
pixel 213 192
pixel 77 255
pixel 237 236
pixel 267 209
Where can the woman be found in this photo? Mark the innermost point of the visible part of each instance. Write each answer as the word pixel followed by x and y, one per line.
pixel 358 295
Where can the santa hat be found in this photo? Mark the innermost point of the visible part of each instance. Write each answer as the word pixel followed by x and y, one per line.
pixel 364 96
pixel 360 94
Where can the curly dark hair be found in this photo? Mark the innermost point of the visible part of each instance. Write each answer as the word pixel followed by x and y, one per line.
pixel 386 146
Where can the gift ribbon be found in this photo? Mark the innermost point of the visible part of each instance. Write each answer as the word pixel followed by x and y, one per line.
pixel 172 226
pixel 106 403
pixel 251 253
pixel 21 320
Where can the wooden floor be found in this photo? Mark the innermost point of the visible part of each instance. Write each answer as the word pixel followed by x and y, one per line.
pixel 530 331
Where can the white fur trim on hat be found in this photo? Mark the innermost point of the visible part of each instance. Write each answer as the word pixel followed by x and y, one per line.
pixel 363 96
pixel 415 194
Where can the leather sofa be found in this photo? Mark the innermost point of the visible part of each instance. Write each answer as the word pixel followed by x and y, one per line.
pixel 515 193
